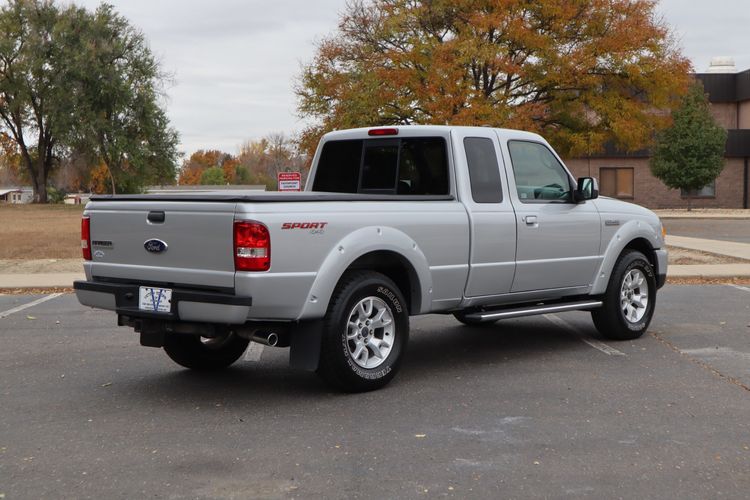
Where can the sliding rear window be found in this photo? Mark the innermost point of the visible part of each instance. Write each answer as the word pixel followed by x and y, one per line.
pixel 409 166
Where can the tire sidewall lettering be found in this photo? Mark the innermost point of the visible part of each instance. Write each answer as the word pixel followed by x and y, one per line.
pixel 394 303
pixel 645 268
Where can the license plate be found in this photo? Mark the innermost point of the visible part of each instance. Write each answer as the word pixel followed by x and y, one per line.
pixel 154 299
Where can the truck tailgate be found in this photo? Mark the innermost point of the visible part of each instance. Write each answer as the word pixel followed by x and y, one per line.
pixel 198 241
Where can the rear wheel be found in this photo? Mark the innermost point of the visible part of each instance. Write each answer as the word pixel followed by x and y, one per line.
pixel 629 299
pixel 202 353
pixel 365 332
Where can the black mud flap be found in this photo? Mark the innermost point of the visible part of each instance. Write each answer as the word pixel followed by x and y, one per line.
pixel 305 342
pixel 152 339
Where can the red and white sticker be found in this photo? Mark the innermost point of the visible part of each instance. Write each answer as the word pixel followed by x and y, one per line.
pixel 290 181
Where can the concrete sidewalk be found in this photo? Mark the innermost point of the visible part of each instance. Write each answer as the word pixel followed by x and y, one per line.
pixel 41 280
pixel 709 271
pixel 720 247
pixel 726 248
pixel 704 213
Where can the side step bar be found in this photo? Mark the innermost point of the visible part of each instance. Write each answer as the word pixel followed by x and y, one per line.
pixel 533 310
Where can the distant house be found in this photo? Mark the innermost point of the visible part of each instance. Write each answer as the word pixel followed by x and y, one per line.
pixel 16 195
pixel 77 198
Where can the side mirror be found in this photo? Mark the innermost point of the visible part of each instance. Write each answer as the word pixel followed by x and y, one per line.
pixel 588 189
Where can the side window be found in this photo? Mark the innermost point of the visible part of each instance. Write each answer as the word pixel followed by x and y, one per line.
pixel 484 171
pixel 338 167
pixel 539 176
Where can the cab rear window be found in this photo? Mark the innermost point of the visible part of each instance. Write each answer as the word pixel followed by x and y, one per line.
pixel 409 166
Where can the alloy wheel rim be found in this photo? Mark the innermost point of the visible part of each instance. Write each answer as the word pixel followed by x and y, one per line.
pixel 634 296
pixel 370 332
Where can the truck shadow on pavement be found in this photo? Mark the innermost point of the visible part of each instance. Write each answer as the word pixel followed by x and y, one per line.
pixel 460 349
pixel 434 354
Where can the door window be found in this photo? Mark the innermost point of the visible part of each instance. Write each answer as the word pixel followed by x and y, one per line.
pixel 540 177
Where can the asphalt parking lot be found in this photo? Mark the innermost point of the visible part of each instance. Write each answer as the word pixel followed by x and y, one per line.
pixel 528 408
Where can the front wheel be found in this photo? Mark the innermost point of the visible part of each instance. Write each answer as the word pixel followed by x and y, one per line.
pixel 629 300
pixel 365 332
pixel 201 353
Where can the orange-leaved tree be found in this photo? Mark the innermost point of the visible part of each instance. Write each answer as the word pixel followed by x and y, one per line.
pixel 11 170
pixel 193 167
pixel 582 72
pixel 100 179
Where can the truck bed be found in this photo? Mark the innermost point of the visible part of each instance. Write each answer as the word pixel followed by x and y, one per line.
pixel 268 197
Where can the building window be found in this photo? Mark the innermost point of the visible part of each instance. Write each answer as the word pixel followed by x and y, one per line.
pixel 707 191
pixel 616 182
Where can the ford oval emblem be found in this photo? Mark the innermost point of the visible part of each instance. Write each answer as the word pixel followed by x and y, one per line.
pixel 155 246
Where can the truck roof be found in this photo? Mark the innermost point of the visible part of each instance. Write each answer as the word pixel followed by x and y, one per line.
pixel 423 130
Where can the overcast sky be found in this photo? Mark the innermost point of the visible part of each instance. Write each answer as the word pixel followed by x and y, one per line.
pixel 234 61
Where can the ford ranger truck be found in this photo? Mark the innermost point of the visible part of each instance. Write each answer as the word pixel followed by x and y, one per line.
pixel 481 223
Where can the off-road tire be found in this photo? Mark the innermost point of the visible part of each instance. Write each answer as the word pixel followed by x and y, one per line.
pixel 610 319
pixel 338 366
pixel 191 351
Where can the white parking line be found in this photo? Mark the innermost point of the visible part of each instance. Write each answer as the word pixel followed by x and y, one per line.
pixel 596 344
pixel 33 303
pixel 738 287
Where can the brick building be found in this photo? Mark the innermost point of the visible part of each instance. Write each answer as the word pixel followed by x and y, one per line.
pixel 628 176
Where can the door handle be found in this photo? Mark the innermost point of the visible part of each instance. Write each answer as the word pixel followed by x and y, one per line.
pixel 530 220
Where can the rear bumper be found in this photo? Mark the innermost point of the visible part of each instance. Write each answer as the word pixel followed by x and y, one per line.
pixel 187 305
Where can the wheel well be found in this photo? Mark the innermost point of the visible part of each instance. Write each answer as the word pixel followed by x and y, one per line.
pixel 398 269
pixel 643 246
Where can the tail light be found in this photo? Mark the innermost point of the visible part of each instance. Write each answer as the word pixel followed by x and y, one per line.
pixel 86 237
pixel 252 246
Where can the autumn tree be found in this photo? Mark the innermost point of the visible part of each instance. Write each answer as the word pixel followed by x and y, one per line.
pixel 75 173
pixel 11 172
pixel 99 179
pixel 194 166
pixel 690 154
pixel 253 156
pixel 213 176
pixel 582 72
pixel 258 162
pixel 266 157
pixel 229 169
pixel 75 79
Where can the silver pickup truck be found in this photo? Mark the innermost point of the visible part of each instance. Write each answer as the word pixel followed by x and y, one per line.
pixel 480 223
